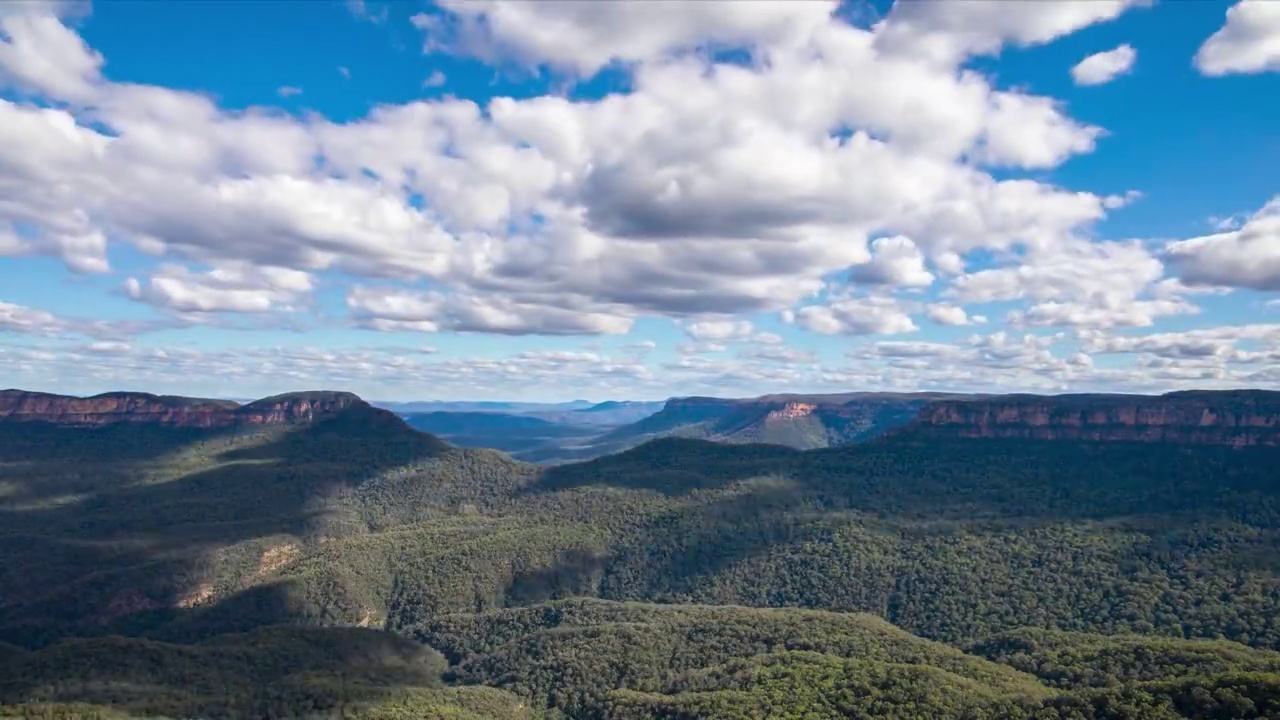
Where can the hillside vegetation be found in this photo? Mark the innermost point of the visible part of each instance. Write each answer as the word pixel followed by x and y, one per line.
pixel 395 574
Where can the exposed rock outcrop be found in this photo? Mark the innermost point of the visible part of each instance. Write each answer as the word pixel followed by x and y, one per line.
pixel 1235 418
pixel 791 411
pixel 109 408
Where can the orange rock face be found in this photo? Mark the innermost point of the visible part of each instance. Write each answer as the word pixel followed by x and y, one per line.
pixel 791 411
pixel 20 405
pixel 1236 418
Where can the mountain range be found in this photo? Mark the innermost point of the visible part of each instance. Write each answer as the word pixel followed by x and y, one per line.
pixel 582 431
pixel 1095 556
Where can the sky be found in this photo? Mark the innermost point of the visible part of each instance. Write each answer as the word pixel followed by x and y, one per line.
pixel 485 199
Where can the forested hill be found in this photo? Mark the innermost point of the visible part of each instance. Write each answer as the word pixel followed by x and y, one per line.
pixel 913 576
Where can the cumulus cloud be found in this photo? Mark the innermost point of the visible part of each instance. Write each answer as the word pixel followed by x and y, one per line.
pixel 1101 68
pixel 711 188
pixel 841 177
pixel 584 37
pixel 41 55
pixel 894 261
pixel 1249 41
pixel 948 32
pixel 36 322
pixel 847 315
pixel 719 329
pixel 1246 257
pixel 1079 284
pixel 230 288
pixel 948 314
pixel 395 310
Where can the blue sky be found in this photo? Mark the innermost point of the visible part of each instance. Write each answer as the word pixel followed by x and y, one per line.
pixel 637 200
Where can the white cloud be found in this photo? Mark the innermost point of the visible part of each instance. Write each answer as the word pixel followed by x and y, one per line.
pixel 1079 284
pixel 435 79
pixel 394 310
pixel 1103 67
pixel 375 373
pixel 948 32
pixel 693 181
pixel 228 288
pixel 894 261
pixel 1115 202
pixel 1247 257
pixel 947 314
pixel 34 321
pixel 719 330
pixel 586 36
pixel 778 354
pixel 41 55
pixel 1249 41
pixel 854 316
pixel 288 91
pixel 17 318
pixel 1229 356
pixel 709 191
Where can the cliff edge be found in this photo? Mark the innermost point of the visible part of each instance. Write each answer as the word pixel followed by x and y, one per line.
pixel 1236 418
pixel 116 407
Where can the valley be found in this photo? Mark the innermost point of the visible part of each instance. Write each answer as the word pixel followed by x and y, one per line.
pixel 925 572
pixel 557 436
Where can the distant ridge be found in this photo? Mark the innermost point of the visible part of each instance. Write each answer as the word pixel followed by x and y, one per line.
pixel 1213 417
pixel 803 421
pixel 138 407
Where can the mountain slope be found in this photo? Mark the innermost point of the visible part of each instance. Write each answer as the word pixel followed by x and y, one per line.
pixel 132 522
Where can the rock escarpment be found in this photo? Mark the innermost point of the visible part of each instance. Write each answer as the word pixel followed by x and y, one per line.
pixel 791 411
pixel 1236 418
pixel 116 407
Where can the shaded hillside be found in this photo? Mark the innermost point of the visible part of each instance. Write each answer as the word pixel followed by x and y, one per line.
pixel 274 672
pixel 117 526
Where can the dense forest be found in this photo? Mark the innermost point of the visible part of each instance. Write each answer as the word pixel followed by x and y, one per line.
pixel 357 568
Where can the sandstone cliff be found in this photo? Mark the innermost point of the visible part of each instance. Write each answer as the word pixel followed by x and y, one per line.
pixel 791 411
pixel 1235 418
pixel 108 408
